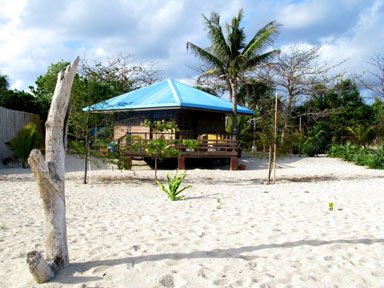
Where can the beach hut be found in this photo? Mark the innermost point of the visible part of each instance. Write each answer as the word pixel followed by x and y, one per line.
pixel 198 115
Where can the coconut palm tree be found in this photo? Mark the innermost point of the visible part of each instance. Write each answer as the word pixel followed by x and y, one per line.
pixel 229 57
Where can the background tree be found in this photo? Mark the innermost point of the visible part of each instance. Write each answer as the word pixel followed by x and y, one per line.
pixel 96 81
pixel 45 86
pixel 21 101
pixel 120 74
pixel 102 80
pixel 256 130
pixel 378 112
pixel 4 84
pixel 334 115
pixel 229 56
pixel 296 73
pixel 375 79
pixel 17 100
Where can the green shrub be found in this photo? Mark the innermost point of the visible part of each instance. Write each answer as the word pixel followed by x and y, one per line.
pixel 346 152
pixel 310 149
pixel 376 159
pixel 174 190
pixel 190 143
pixel 316 142
pixel 27 139
pixel 335 151
pixel 372 158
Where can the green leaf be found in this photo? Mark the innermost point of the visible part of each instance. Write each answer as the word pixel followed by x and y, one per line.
pixel 174 191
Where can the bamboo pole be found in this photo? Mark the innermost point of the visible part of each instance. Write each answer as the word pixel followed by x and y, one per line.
pixel 275 142
pixel 269 163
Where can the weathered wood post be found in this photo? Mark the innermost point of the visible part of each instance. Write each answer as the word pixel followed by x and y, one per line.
pixel 49 174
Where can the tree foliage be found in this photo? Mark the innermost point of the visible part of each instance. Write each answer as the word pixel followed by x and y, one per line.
pixel 4 84
pixel 339 113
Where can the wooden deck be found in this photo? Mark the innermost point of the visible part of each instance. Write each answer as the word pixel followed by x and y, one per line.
pixel 212 147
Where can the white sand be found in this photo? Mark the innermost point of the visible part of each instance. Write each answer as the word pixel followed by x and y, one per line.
pixel 231 231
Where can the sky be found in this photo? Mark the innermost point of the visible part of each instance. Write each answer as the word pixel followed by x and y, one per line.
pixel 37 33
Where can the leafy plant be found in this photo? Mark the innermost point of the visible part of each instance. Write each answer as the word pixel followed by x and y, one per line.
pixel 27 139
pixel 160 149
pixel 190 143
pixel 174 190
pixel 161 125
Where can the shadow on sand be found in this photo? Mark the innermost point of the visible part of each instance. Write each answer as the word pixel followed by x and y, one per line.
pixel 67 275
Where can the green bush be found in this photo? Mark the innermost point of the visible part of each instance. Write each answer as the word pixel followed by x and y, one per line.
pixel 310 149
pixel 174 190
pixel 316 142
pixel 372 158
pixel 28 138
pixel 346 152
pixel 376 159
pixel 190 143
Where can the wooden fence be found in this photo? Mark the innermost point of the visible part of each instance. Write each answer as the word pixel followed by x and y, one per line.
pixel 11 122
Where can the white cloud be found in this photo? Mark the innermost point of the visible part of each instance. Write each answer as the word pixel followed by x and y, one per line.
pixel 36 33
pixel 17 85
pixel 359 43
pixel 301 15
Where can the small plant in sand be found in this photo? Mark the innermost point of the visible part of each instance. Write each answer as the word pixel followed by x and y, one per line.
pixel 174 188
pixel 218 200
pixel 331 206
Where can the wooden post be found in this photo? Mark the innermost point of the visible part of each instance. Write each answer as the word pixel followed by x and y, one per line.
pixel 275 142
pixel 233 164
pixel 49 174
pixel 181 163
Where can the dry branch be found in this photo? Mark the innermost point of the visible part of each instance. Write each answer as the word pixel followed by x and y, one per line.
pixel 49 174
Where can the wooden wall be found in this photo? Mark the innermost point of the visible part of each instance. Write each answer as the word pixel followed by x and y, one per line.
pixel 11 122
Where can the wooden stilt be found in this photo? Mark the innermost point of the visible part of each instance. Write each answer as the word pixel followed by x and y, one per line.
pixel 181 163
pixel 233 164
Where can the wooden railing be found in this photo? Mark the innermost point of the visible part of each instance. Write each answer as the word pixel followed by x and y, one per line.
pixel 206 146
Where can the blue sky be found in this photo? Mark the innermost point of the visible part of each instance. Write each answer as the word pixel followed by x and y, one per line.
pixel 36 33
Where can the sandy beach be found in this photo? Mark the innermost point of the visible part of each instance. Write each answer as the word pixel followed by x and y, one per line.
pixel 232 230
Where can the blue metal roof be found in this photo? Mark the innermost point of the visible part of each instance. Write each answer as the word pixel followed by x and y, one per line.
pixel 167 94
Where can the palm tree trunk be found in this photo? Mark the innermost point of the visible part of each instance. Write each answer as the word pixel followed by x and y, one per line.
pixel 233 95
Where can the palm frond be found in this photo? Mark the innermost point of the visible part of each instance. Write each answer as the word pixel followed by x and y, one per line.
pixel 262 38
pixel 236 35
pixel 258 59
pixel 206 56
pixel 219 45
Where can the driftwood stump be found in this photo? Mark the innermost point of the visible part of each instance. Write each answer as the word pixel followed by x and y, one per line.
pixel 49 174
